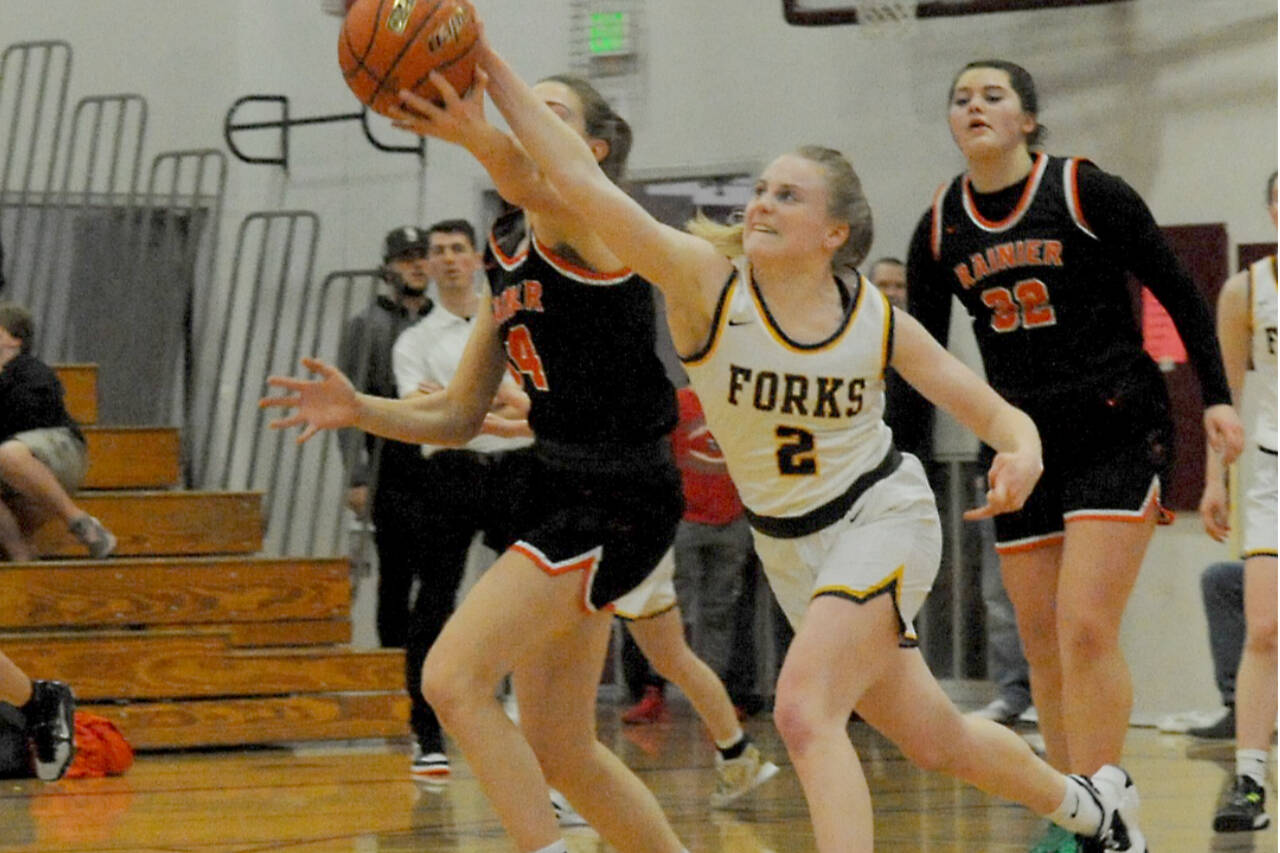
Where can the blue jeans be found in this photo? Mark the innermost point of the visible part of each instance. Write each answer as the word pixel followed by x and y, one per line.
pixel 1222 588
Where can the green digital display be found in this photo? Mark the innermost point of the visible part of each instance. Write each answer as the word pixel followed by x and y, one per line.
pixel 610 33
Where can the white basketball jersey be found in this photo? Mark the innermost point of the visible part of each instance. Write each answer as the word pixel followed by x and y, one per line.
pixel 798 423
pixel 1262 322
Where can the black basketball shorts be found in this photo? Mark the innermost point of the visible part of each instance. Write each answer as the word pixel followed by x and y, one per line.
pixel 610 521
pixel 1107 450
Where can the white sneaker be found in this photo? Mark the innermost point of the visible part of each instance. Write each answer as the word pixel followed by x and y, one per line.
pixel 1119 798
pixel 566 816
pixel 1180 722
pixel 434 765
pixel 1001 711
pixel 740 775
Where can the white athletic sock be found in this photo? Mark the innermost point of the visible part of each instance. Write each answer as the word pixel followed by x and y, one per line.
pixel 1079 811
pixel 1252 763
pixel 558 847
pixel 731 742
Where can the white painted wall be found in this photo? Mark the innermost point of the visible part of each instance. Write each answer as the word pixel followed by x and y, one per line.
pixel 1177 96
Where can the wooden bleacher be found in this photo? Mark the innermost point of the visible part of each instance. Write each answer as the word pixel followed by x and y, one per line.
pixel 187 637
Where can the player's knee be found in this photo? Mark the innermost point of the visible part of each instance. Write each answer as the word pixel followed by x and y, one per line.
pixel 1260 637
pixel 13 452
pixel 447 688
pixel 1087 637
pixel 795 717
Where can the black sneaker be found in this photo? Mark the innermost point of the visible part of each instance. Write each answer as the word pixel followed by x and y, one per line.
pixel 1243 809
pixel 1224 728
pixel 51 728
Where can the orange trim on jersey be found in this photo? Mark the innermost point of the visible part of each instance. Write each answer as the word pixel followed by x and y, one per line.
pixel 1031 543
pixel 579 273
pixel 588 563
pixel 1071 183
pixel 891 584
pixel 935 227
pixel 1150 504
pixel 1028 193
pixel 508 262
pixel 780 336
pixel 718 321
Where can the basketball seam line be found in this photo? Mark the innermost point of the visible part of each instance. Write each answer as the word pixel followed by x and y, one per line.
pixel 441 68
pixel 408 43
pixel 373 37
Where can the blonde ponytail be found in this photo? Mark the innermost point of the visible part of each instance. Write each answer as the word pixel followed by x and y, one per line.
pixel 726 238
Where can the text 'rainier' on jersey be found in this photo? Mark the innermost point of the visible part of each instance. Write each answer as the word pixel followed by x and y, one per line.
pixel 525 296
pixel 1003 256
pixel 793 394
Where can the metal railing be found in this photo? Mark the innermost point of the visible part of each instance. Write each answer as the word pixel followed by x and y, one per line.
pixel 34 77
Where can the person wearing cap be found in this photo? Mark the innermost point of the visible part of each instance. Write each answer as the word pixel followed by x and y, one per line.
pixel 379 482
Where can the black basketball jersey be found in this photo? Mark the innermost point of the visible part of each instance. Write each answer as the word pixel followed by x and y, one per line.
pixel 583 342
pixel 1050 303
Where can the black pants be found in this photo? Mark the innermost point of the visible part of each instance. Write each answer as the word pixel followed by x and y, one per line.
pixel 397 511
pixel 452 504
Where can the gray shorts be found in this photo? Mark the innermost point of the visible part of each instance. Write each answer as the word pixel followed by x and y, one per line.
pixel 59 450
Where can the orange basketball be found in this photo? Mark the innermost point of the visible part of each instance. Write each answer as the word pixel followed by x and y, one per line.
pixel 389 45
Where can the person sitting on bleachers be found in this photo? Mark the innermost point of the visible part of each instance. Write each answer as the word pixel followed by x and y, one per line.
pixel 42 451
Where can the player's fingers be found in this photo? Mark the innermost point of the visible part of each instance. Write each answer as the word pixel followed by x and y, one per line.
pixel 447 93
pixel 279 402
pixel 984 511
pixel 315 365
pixel 415 105
pixel 286 422
pixel 311 430
pixel 409 120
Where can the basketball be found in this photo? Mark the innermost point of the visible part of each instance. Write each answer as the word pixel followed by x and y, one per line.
pixel 389 45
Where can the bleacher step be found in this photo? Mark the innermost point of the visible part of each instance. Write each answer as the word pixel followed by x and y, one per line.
pixel 232 722
pixel 165 523
pixel 132 457
pixel 195 664
pixel 255 592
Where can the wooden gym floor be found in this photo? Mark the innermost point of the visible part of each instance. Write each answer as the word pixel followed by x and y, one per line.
pixel 357 797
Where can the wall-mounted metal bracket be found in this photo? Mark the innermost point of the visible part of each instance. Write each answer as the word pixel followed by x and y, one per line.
pixel 231 127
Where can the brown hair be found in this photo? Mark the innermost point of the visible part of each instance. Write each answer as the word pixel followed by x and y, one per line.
pixel 846 202
pixel 601 123
pixel 1023 85
pixel 17 321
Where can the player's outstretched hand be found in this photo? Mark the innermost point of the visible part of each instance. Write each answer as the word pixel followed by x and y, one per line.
pixel 460 119
pixel 1009 483
pixel 329 402
pixel 1224 431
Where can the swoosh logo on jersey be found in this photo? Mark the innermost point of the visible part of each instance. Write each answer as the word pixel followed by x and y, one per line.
pixel 739 322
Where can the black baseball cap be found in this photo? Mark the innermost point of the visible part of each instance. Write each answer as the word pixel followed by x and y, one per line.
pixel 403 240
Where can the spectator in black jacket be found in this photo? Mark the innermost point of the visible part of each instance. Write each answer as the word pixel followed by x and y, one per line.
pixel 381 482
pixel 42 451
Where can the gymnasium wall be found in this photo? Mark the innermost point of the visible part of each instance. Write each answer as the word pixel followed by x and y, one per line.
pixel 1177 96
